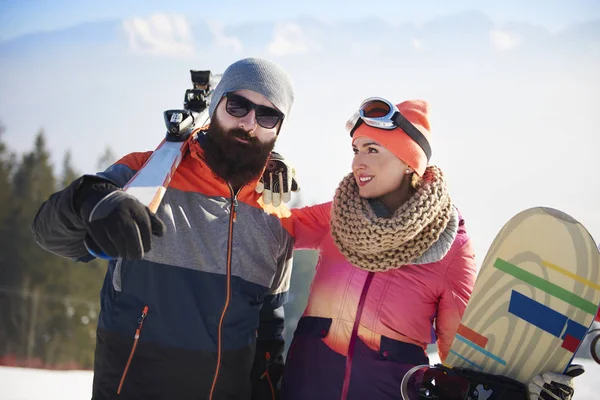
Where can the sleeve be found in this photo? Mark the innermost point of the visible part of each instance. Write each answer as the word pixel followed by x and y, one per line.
pixel 58 226
pixel 311 224
pixel 123 170
pixel 458 285
pixel 270 344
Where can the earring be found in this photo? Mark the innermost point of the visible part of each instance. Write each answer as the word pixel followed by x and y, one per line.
pixel 408 171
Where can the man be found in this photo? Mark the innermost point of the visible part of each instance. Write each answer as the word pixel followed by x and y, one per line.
pixel 192 308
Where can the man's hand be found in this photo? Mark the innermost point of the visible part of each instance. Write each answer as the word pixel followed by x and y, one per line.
pixel 118 225
pixel 278 181
pixel 553 386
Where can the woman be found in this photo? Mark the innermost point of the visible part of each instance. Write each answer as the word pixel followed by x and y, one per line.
pixel 396 267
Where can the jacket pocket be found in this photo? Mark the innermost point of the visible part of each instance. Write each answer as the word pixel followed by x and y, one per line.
pixel 309 328
pixel 402 352
pixel 132 352
pixel 313 326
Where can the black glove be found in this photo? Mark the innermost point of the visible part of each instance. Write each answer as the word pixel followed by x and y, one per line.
pixel 278 181
pixel 117 224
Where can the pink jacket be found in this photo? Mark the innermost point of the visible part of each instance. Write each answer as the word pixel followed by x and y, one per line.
pixel 416 304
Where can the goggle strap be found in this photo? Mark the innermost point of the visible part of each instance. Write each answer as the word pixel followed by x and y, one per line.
pixel 412 131
pixel 359 122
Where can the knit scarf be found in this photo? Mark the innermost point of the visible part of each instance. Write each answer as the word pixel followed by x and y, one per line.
pixel 380 244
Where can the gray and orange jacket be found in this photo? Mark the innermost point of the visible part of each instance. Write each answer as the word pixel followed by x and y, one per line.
pixel 201 315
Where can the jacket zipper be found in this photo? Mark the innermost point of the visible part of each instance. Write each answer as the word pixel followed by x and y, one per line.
pixel 354 336
pixel 232 218
pixel 135 342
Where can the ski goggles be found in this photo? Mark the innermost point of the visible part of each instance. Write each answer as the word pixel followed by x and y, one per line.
pixel 239 106
pixel 380 113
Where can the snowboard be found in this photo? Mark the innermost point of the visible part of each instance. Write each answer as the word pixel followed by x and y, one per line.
pixel 534 300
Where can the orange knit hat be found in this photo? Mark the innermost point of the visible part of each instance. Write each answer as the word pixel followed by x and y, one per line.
pixel 397 141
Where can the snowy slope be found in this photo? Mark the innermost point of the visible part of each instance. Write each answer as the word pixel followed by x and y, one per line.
pixel 34 384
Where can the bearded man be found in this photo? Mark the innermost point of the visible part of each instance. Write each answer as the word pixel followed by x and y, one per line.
pixel 192 304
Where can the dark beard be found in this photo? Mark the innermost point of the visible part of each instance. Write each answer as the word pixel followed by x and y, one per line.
pixel 235 162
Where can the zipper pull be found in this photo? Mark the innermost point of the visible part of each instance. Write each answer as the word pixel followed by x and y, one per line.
pixel 235 205
pixel 140 323
pixel 143 316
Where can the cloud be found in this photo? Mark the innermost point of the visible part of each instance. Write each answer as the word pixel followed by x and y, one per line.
pixel 161 34
pixel 504 41
pixel 222 40
pixel 416 44
pixel 289 38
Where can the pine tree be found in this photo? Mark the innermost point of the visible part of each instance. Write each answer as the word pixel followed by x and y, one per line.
pixel 106 159
pixel 33 182
pixel 8 269
pixel 48 304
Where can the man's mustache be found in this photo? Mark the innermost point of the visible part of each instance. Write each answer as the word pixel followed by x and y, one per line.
pixel 243 134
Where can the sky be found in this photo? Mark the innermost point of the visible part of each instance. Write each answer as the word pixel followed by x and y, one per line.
pixel 513 86
pixel 19 17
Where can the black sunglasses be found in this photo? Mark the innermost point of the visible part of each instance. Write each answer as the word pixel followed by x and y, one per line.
pixel 239 106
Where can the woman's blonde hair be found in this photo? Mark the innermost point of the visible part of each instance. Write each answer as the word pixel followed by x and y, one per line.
pixel 415 181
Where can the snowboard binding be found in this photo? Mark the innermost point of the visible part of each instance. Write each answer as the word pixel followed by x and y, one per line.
pixel 595 346
pixel 439 382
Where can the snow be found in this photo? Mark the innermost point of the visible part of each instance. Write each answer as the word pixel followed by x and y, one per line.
pixel 34 384
pixel 29 384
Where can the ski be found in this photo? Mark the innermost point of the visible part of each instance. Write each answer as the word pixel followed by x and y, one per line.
pixel 151 181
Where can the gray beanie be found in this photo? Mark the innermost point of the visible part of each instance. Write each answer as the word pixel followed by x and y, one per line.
pixel 259 75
